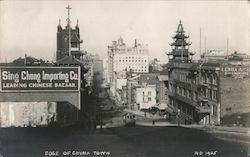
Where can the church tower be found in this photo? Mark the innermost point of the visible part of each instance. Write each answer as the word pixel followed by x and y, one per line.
pixel 180 47
pixel 68 40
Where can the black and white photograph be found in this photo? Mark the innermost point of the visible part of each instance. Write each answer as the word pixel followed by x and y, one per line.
pixel 117 78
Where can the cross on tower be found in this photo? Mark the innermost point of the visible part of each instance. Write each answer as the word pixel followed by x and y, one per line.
pixel 68 20
pixel 68 8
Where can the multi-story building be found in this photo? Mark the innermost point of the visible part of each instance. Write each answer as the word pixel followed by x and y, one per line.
pixel 162 88
pixel 193 87
pixel 138 83
pixel 146 96
pixel 240 59
pixel 214 55
pixel 125 58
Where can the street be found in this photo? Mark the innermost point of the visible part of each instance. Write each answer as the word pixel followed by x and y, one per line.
pixel 139 141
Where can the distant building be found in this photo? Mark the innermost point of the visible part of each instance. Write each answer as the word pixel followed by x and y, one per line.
pixel 214 55
pixel 105 70
pixel 98 66
pixel 162 89
pixel 146 96
pixel 154 65
pixel 138 83
pixel 240 59
pixel 124 58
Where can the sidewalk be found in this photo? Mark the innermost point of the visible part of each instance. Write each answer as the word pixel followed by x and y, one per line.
pixel 142 114
pixel 220 128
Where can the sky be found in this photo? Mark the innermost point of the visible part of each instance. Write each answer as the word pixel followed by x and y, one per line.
pixel 29 27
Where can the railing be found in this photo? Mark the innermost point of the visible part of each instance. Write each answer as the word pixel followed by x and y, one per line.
pixel 203 84
pixel 203 98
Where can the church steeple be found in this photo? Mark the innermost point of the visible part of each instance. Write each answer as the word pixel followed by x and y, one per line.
pixel 180 47
pixel 68 39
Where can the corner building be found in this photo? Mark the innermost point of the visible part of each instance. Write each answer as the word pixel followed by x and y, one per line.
pixel 193 87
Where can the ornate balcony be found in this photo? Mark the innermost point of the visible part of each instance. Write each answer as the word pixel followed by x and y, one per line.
pixel 203 98
pixel 203 84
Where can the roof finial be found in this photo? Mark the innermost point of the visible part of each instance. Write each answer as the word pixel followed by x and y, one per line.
pixel 180 29
pixel 77 22
pixel 59 24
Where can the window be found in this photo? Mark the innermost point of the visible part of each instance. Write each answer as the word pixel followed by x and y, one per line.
pixel 206 93
pixel 203 78
pixel 149 98
pixel 214 80
pixel 214 94
pixel 178 89
pixel 194 96
pixel 188 93
pixel 74 45
pixel 149 93
pixel 185 92
pixel 215 110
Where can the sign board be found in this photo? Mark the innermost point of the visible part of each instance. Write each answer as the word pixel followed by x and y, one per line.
pixel 39 79
pixel 236 71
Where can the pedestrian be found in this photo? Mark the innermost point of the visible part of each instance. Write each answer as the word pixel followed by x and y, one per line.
pixel 153 122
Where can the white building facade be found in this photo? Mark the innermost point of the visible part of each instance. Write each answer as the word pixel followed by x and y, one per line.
pixel 138 63
pixel 124 58
pixel 146 96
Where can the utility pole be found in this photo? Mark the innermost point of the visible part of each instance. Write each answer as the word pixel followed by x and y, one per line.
pixel 182 49
pixel 68 21
pixel 227 47
pixel 200 42
pixel 205 45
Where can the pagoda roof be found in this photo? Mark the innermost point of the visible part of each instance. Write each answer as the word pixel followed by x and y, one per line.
pixel 184 52
pixel 180 36
pixel 180 43
pixel 178 53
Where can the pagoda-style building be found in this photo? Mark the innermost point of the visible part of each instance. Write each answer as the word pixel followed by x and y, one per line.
pixel 180 47
pixel 193 87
